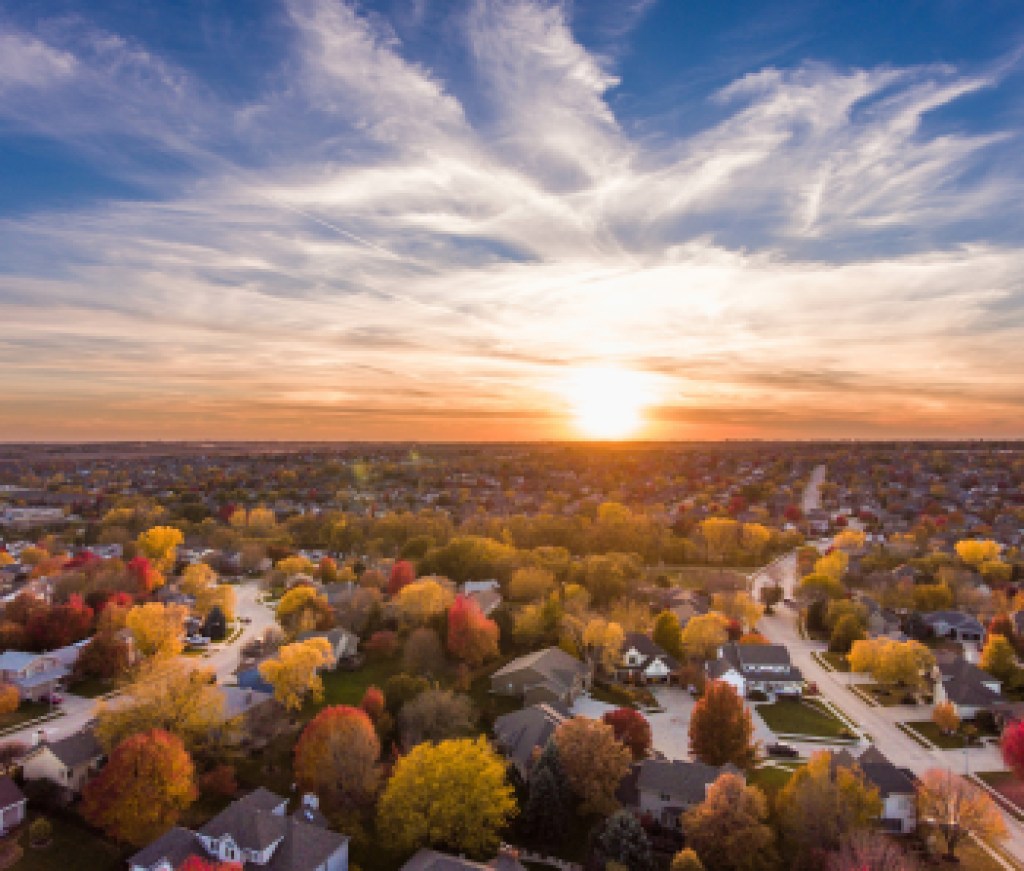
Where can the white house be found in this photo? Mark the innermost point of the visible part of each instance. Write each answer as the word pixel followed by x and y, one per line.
pixel 69 762
pixel 966 686
pixel 36 675
pixel 896 788
pixel 643 662
pixel 762 668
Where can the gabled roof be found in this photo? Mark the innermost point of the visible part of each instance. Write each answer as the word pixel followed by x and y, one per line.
pixel 76 749
pixel 250 821
pixel 686 782
pixel 553 664
pixel 520 732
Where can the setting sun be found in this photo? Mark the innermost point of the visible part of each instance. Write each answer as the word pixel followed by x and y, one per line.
pixel 607 402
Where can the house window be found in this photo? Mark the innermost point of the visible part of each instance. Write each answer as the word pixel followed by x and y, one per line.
pixel 666 797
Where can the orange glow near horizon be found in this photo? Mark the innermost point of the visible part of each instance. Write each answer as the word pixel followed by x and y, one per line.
pixel 607 402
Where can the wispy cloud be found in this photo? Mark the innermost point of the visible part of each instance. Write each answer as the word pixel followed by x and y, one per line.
pixel 357 252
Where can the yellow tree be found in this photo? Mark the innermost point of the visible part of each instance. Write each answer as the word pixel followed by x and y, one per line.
pixel 975 551
pixel 303 609
pixel 704 634
pixel 738 606
pixel 221 595
pixel 168 695
pixel 160 544
pixel 957 808
pixel 290 566
pixel 294 672
pixel 849 539
pixel 754 537
pixel 604 640
pixel 197 578
pixel 832 565
pixel 158 629
pixel 419 602
pixel 452 795
pixel 720 536
pixel 946 718
pixel 530 584
pixel 998 658
pixel 261 519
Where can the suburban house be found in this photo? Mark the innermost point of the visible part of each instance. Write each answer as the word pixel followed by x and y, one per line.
pixel 882 622
pixel 548 675
pixel 954 624
pixel 644 662
pixel 522 734
pixel 896 787
pixel 662 789
pixel 69 762
pixel 431 860
pixel 965 685
pixel 257 832
pixel 36 675
pixel 12 805
pixel 762 668
pixel 344 644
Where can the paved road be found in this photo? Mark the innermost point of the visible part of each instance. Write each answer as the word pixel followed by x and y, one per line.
pixel 812 492
pixel 223 660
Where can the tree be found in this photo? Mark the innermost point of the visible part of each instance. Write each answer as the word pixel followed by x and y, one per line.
pixel 906 663
pixel 160 544
pixel 704 634
pixel 196 578
pixel 452 795
pixel 720 727
pixel 471 636
pixel 1001 624
pixel 870 851
pixel 336 757
pixel 820 805
pixel 294 672
pixel 303 609
pixel 667 634
pixel 998 658
pixel 631 729
pixel 157 629
pixel 1012 747
pixel 419 602
pixel 530 584
pixel 957 808
pixel 402 574
pixel 946 718
pixel 373 703
pixel 728 829
pixel 401 688
pixel 622 840
pixel 820 586
pixel 434 715
pixel 753 638
pixel 738 606
pixel 603 641
pixel 10 698
pixel 169 696
pixel 594 761
pixel 106 657
pixel 832 565
pixel 422 653
pixel 146 785
pixel 974 552
pixel 220 596
pixel 293 566
pixel 686 860
pixel 546 814
pixel 847 630
pixel 720 536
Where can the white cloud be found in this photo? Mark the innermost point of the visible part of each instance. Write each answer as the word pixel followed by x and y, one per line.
pixel 27 61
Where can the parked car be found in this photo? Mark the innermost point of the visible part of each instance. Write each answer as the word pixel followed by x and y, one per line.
pixel 55 699
pixel 784 750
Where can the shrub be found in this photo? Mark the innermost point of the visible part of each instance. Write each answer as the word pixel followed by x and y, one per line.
pixel 40 832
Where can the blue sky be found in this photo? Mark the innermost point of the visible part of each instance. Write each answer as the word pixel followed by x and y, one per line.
pixel 418 219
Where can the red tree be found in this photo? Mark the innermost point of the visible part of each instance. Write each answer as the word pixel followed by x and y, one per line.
pixel 632 729
pixel 336 757
pixel 402 574
pixel 383 643
pixel 471 636
pixel 1012 745
pixel 373 703
pixel 50 628
pixel 141 571
pixel 198 863
pixel 1001 624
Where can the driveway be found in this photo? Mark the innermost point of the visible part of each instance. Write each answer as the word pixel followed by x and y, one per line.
pixel 669 729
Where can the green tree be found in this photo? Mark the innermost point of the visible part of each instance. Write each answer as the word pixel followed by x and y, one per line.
pixel 847 630
pixel 668 634
pixel 622 840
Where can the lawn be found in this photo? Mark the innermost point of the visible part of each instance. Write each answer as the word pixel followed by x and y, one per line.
pixel 26 711
pixel 770 779
pixel 91 687
pixel 347 687
pixel 837 660
pixel 792 717
pixel 888 695
pixel 929 730
pixel 73 848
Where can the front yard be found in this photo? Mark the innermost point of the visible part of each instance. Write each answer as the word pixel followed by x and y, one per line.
pixel 928 730
pixel 26 711
pixel 792 717
pixel 74 848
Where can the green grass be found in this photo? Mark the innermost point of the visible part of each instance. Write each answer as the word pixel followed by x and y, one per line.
pixel 887 694
pixel 838 661
pixel 801 718
pixel 347 687
pixel 26 711
pixel 770 779
pixel 91 687
pixel 933 733
pixel 73 848
pixel 910 733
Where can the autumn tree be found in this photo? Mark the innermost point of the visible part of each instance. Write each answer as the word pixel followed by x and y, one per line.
pixel 167 695
pixel 148 782
pixel 729 828
pixel 218 596
pixel 471 636
pixel 373 704
pixel 820 586
pixel 452 795
pixel 602 640
pixel 819 806
pixel 106 657
pixel 998 658
pixel 303 609
pixel 870 851
pixel 434 715
pixel 704 634
pixel 10 698
pixel 721 728
pixel 974 552
pixel 422 653
pixel 160 545
pixel 1012 747
pixel 906 663
pixel 957 808
pixel 944 716
pixel 158 629
pixel 738 606
pixel 631 729
pixel 667 634
pixel 196 578
pixel 336 757
pixel 292 566
pixel 417 603
pixel 621 839
pixel 847 630
pixel 686 860
pixel 402 574
pixel 530 584
pixel 294 672
pixel 594 761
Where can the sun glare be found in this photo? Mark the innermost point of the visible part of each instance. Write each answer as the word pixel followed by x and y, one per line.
pixel 607 402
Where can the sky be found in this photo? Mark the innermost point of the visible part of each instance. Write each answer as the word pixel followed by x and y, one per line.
pixel 501 219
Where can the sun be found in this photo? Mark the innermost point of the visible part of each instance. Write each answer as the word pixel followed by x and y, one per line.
pixel 607 402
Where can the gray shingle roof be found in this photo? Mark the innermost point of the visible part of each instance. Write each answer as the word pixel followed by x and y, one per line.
pixel 686 782
pixel 76 749
pixel 520 732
